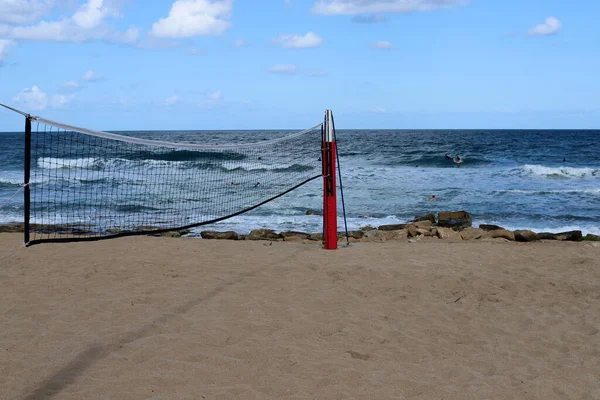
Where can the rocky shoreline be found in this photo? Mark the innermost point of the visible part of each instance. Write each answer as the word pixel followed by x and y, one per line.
pixel 446 225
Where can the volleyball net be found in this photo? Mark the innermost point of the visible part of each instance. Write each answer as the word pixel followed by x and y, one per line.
pixel 81 184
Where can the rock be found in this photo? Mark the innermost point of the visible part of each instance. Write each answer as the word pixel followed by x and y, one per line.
pixel 385 235
pixel 262 234
pixel 573 236
pixel 412 241
pixel 290 234
pixel 366 228
pixel 488 228
pixel 395 227
pixel 429 217
pixel 354 234
pixel 592 238
pixel 423 224
pixel 545 236
pixel 314 212
pixel 412 230
pixel 423 231
pixel 501 233
pixel 12 228
pixel 471 233
pixel 445 233
pixel 454 219
pixel 316 237
pixel 229 235
pixel 525 236
pixel 171 234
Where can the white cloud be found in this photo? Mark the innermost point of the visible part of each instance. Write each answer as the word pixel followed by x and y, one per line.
pixel 368 18
pixel 87 23
pixel 72 85
pixel 32 99
pixel 169 101
pixel 379 110
pixel 91 76
pixel 189 18
pixel 287 69
pixel 383 44
pixel 550 26
pixel 59 100
pixel 215 95
pixel 299 42
pixel 355 7
pixel 91 14
pixel 23 11
pixel 4 45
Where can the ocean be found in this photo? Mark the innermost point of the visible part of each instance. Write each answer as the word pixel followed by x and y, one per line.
pixel 543 180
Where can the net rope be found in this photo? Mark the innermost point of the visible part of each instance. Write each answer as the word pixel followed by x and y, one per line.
pixel 89 185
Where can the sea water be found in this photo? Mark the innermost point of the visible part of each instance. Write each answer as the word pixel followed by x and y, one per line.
pixel 543 180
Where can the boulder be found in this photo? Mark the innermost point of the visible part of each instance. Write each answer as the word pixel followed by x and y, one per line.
pixel 318 237
pixel 488 228
pixel 445 233
pixel 573 236
pixel 171 234
pixel 525 236
pixel 229 235
pixel 354 234
pixel 366 228
pixel 429 217
pixel 423 231
pixel 471 233
pixel 12 227
pixel 545 236
pixel 395 227
pixel 314 212
pixel 262 234
pixel 423 224
pixel 501 233
pixel 412 230
pixel 385 235
pixel 454 219
pixel 290 234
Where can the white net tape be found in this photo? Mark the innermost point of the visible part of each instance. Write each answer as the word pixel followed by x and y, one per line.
pixel 172 145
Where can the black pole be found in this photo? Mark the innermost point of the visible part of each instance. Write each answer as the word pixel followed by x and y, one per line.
pixel 26 191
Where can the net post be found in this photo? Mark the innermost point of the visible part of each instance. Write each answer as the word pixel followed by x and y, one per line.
pixel 26 178
pixel 329 185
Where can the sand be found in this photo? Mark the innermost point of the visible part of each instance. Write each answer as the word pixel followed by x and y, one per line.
pixel 162 318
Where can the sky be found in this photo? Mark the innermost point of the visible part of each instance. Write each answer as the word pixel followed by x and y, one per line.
pixel 279 64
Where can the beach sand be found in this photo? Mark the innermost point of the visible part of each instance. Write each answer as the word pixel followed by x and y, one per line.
pixel 163 318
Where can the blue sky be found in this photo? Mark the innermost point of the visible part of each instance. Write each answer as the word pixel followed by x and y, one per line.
pixel 242 64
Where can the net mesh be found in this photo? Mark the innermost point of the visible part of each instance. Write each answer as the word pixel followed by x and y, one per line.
pixel 85 186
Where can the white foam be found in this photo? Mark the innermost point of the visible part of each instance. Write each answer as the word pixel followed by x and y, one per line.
pixel 561 172
pixel 57 163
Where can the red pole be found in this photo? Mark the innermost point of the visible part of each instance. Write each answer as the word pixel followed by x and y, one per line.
pixel 329 186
